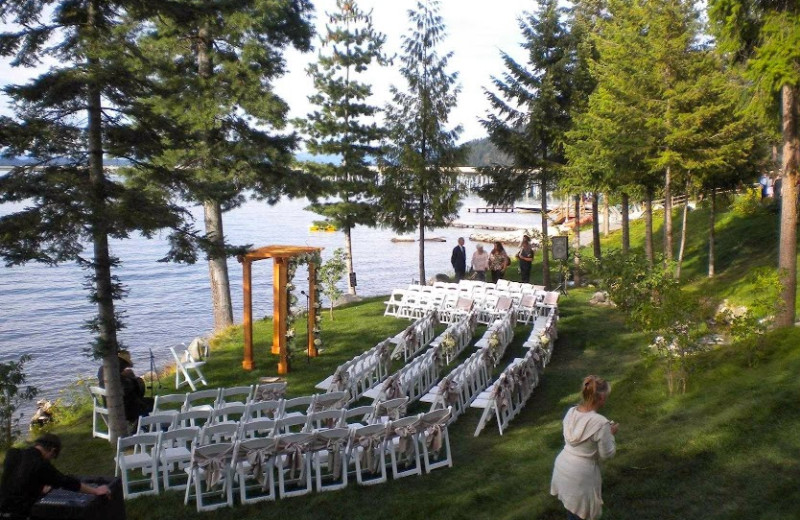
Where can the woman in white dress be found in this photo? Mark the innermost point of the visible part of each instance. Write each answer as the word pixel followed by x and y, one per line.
pixel 589 438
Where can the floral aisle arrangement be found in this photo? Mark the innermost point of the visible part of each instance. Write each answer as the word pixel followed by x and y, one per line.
pixel 304 259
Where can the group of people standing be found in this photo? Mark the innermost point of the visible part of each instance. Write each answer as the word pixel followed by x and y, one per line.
pixel 496 262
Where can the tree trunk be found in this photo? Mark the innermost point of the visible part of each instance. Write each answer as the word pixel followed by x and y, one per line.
pixel 606 216
pixel 648 226
pixel 422 279
pixel 668 215
pixel 348 244
pixel 212 212
pixel 712 224
pixel 685 220
pixel 218 266
pixel 545 238
pixel 107 342
pixel 626 224
pixel 596 225
pixel 576 273
pixel 787 253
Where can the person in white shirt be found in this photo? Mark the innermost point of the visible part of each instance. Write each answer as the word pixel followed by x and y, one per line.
pixel 589 438
pixel 480 262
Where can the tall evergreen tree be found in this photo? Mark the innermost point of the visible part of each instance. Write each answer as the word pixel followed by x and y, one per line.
pixel 532 112
pixel 344 125
pixel 216 64
pixel 764 35
pixel 419 188
pixel 67 120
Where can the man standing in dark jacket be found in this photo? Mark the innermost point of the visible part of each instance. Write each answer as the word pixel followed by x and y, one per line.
pixel 28 474
pixel 459 260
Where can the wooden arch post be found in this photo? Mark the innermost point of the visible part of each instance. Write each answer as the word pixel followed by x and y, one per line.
pixel 281 255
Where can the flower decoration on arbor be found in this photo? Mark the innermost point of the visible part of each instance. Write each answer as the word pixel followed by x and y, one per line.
pixel 304 259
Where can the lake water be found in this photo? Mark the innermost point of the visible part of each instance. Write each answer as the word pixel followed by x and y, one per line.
pixel 44 308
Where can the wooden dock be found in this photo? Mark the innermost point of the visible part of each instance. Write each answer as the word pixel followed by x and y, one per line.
pixel 492 209
pixel 489 227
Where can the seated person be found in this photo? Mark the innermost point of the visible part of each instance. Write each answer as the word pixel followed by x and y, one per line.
pixel 28 474
pixel 133 389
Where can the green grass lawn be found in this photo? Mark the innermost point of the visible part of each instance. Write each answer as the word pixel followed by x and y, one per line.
pixel 727 449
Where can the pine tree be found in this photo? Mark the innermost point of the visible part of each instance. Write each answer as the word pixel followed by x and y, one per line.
pixel 67 120
pixel 532 112
pixel 216 62
pixel 344 125
pixel 764 35
pixel 713 143
pixel 419 188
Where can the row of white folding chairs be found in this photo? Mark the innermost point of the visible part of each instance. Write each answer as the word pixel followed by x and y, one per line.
pixel 461 385
pixel 217 397
pixel 166 446
pixel 276 409
pixel 412 380
pixel 414 441
pixel 414 338
pixel 457 336
pixel 506 397
pixel 361 373
pixel 498 336
pixel 415 301
pixel 543 336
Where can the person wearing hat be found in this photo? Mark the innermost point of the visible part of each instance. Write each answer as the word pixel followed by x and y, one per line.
pixel 133 388
pixel 480 262
pixel 28 474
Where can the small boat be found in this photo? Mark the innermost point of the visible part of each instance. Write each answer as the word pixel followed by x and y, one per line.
pixel 529 209
pixel 327 228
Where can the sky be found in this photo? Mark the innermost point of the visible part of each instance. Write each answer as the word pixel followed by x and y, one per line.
pixel 477 32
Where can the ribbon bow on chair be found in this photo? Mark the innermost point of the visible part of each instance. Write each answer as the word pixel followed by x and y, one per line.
pixel 406 445
pixel 213 465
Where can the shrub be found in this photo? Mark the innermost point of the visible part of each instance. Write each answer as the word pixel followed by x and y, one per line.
pixel 13 392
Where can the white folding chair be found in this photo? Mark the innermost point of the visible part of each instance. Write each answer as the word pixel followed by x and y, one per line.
pixel 99 413
pixel 358 416
pixel 325 419
pixel 526 310
pixel 156 422
pixel 269 409
pixel 297 406
pixel 329 401
pixel 390 410
pixel 368 454
pixel 256 428
pixel 402 444
pixel 228 412
pixel 138 453
pixel 434 438
pixel 201 400
pixel 253 464
pixel 293 464
pixel 214 433
pixel 235 395
pixel 184 365
pixel 197 418
pixel 175 455
pixel 291 424
pixel 210 476
pixel 329 449
pixel 169 402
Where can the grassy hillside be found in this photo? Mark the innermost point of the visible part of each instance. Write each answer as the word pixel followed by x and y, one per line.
pixel 727 449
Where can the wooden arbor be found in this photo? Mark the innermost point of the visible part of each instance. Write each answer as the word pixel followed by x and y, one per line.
pixel 281 255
